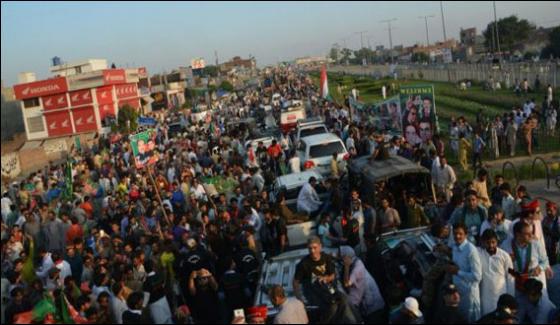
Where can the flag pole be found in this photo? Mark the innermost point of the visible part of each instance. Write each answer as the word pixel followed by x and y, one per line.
pixel 158 197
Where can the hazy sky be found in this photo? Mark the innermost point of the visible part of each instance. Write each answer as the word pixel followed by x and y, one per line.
pixel 162 36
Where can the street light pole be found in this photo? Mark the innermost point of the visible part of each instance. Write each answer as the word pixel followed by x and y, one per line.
pixel 496 31
pixel 443 21
pixel 388 21
pixel 362 43
pixel 426 21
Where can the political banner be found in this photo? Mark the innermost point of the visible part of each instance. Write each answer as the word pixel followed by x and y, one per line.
pixel 148 121
pixel 144 148
pixel 419 118
pixel 387 116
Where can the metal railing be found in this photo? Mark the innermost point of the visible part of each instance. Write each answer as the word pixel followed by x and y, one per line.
pixel 509 163
pixel 546 169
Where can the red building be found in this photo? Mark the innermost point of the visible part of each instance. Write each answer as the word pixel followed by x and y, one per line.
pixel 77 103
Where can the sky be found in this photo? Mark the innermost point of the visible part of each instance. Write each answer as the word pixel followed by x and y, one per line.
pixel 162 36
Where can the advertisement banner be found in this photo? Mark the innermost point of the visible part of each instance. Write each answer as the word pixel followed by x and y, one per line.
pixel 104 95
pixel 419 118
pixel 81 97
pixel 55 102
pixel 386 116
pixel 198 63
pixel 114 76
pixel 144 148
pixel 126 91
pixel 106 110
pixel 58 123
pixel 84 119
pixel 142 72
pixel 150 121
pixel 40 88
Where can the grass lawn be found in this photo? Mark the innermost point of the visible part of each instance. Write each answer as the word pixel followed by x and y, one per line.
pixel 449 100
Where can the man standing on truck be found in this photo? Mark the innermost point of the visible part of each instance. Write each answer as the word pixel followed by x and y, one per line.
pixel 315 280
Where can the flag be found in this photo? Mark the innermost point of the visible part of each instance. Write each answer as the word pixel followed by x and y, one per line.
pixel 42 309
pixel 68 190
pixel 324 83
pixel 28 271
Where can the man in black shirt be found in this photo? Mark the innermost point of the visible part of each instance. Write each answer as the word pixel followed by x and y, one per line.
pixel 18 305
pixel 316 274
pixel 134 314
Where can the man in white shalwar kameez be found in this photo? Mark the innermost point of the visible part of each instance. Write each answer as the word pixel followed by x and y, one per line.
pixel 496 279
pixel 308 200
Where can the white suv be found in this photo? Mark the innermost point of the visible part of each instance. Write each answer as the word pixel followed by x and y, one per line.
pixel 316 151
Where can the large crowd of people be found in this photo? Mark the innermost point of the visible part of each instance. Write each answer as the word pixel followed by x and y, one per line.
pixel 98 240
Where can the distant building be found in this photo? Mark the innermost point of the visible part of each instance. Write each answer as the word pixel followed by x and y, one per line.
pixel 312 60
pixel 238 63
pixel 83 96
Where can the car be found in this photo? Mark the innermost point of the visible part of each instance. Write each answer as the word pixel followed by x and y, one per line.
pixel 309 129
pixel 397 172
pixel 281 270
pixel 293 112
pixel 316 151
pixel 404 260
pixel 291 184
pixel 175 129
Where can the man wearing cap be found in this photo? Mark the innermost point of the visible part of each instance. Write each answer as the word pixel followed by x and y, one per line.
pixel 449 313
pixel 551 231
pixel 496 279
pixel 409 313
pixel 308 200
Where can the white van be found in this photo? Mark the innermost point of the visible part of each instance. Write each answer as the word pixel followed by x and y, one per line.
pixel 315 152
pixel 291 115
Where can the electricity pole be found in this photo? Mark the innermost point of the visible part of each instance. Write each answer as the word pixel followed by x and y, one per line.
pixel 496 31
pixel 362 45
pixel 443 21
pixel 388 21
pixel 426 21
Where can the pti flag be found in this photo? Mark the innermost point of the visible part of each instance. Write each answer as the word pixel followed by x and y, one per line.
pixel 324 83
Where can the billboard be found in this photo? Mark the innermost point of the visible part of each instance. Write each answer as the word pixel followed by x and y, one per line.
pixel 40 88
pixel 55 102
pixel 198 63
pixel 104 95
pixel 387 115
pixel 114 76
pixel 81 97
pixel 84 119
pixel 126 90
pixel 58 123
pixel 419 118
pixel 144 148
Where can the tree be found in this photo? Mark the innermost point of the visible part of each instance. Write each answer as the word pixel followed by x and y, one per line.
pixel 346 53
pixel 226 85
pixel 333 54
pixel 511 31
pixel 553 48
pixel 210 71
pixel 127 119
pixel 420 57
